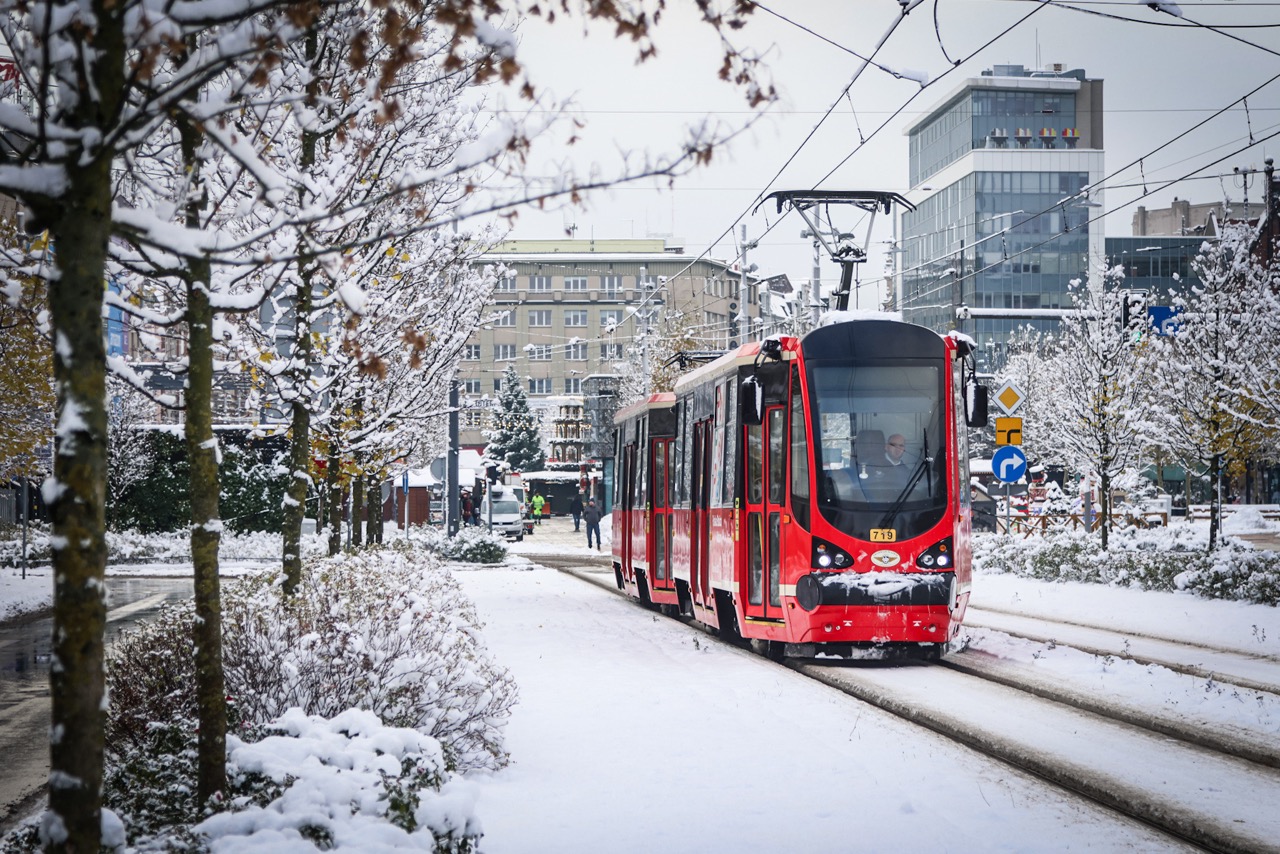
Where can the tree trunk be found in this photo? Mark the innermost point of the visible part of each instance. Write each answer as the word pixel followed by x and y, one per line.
pixel 357 510
pixel 206 526
pixel 206 530
pixel 1215 506
pixel 295 499
pixel 374 491
pixel 333 484
pixel 1104 504
pixel 80 228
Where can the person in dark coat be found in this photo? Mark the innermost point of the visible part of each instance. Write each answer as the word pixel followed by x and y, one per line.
pixel 576 509
pixel 591 515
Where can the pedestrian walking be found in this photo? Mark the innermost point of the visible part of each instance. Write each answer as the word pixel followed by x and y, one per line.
pixel 576 509
pixel 535 506
pixel 591 515
pixel 466 508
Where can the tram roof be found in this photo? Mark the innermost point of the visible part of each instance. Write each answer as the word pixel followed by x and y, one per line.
pixel 661 400
pixel 744 355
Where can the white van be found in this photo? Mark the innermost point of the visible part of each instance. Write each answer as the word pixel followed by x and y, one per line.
pixel 507 518
pixel 514 487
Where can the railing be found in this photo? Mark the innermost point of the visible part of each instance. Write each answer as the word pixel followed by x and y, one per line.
pixel 1048 523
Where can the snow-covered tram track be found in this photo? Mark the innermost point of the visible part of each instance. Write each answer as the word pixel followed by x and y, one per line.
pixel 1254 672
pixel 1210 789
pixel 1194 792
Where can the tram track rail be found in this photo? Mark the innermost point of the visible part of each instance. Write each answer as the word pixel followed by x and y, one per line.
pixel 1072 739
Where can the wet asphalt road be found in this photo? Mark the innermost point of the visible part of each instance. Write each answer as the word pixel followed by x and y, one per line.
pixel 24 686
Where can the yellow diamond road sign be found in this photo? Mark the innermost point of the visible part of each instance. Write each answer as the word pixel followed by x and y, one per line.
pixel 1009 397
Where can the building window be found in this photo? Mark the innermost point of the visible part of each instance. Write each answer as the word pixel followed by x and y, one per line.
pixel 504 352
pixel 539 283
pixel 471 386
pixel 572 385
pixel 539 352
pixel 576 352
pixel 575 283
pixel 575 317
pixel 506 284
pixel 471 352
pixel 610 285
pixel 473 418
pixel 611 351
pixel 497 384
pixel 506 318
pixel 540 386
pixel 540 317
pixel 610 318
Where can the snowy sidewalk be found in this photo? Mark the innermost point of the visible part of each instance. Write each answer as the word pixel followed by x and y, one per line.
pixel 555 536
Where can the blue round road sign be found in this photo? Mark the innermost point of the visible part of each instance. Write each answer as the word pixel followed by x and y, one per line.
pixel 1008 463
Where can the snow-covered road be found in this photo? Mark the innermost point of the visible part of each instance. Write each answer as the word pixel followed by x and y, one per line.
pixel 634 733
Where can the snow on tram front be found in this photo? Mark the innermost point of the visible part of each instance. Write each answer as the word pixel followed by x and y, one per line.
pixel 810 494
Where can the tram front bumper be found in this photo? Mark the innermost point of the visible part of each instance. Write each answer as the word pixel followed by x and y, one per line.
pixel 875 589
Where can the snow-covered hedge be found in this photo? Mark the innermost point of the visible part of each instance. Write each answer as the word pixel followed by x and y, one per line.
pixel 471 545
pixel 387 631
pixel 1173 558
pixel 135 547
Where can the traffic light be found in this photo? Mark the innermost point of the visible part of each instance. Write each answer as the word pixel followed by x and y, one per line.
pixel 491 472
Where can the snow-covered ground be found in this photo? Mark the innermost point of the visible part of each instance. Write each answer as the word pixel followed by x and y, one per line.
pixel 633 733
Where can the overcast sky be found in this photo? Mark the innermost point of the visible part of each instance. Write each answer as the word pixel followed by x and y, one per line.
pixel 1160 81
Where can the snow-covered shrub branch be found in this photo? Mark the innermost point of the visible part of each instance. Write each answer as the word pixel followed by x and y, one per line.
pixel 387 630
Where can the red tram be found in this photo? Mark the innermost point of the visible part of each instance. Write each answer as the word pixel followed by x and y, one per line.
pixel 807 494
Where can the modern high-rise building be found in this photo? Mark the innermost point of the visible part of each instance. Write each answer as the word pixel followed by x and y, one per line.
pixel 1002 169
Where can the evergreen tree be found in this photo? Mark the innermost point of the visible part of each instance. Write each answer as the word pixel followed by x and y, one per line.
pixel 515 439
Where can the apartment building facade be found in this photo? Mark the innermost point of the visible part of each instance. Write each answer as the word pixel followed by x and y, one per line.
pixel 568 310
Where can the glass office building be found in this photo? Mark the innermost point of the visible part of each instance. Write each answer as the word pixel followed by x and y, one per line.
pixel 999 172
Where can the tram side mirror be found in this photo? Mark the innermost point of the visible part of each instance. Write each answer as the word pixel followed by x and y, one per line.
pixel 751 402
pixel 976 406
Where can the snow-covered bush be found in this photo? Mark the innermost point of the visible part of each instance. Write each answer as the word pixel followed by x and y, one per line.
pixel 380 630
pixel 1172 558
pixel 387 631
pixel 383 630
pixel 347 783
pixel 471 545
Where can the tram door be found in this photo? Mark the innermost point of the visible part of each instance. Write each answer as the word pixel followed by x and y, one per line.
pixel 700 529
pixel 660 496
pixel 765 499
pixel 628 502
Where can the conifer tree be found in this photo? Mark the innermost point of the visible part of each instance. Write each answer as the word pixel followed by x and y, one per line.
pixel 515 439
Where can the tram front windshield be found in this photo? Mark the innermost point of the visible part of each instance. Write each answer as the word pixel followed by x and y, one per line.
pixel 879 445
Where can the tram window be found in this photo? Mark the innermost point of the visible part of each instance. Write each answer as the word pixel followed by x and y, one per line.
pixel 777 456
pixel 799 446
pixel 660 475
pixel 727 482
pixel 755 460
pixel 755 558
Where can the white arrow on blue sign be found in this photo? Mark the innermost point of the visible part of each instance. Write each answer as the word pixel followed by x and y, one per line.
pixel 1008 463
pixel 404 483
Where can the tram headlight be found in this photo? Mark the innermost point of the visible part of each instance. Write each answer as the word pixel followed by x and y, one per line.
pixel 827 556
pixel 940 555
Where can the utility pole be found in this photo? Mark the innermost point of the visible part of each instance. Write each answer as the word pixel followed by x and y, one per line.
pixel 746 292
pixel 642 287
pixel 810 302
pixel 451 464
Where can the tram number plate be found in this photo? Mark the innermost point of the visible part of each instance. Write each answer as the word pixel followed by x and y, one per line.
pixel 883 535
